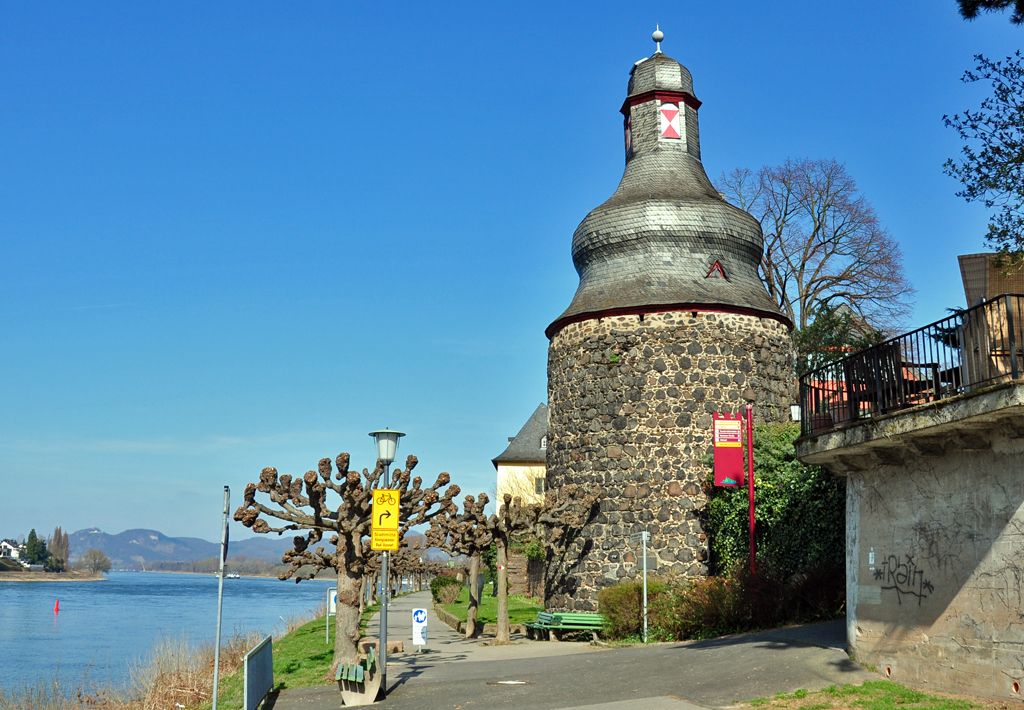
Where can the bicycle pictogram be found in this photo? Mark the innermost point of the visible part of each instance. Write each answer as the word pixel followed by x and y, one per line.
pixel 385 499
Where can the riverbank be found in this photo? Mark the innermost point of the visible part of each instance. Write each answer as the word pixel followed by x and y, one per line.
pixel 51 577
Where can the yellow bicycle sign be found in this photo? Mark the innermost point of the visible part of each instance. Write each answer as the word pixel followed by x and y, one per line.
pixel 385 510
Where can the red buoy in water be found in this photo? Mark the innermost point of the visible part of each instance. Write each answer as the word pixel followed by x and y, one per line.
pixel 56 607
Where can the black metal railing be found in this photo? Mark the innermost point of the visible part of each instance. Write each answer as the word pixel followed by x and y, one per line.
pixel 975 348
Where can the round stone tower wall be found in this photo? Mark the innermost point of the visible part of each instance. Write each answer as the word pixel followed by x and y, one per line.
pixel 630 399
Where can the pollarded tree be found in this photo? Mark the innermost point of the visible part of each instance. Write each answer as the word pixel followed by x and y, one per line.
pixel 824 245
pixel 991 166
pixel 466 533
pixel 568 508
pixel 302 504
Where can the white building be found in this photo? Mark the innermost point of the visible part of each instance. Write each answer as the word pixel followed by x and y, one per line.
pixel 10 551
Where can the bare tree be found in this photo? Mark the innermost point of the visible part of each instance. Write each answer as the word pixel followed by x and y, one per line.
pixel 301 504
pixel 92 560
pixel 466 533
pixel 824 245
pixel 570 507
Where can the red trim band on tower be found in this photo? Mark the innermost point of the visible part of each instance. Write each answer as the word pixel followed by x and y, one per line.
pixel 674 97
pixel 552 329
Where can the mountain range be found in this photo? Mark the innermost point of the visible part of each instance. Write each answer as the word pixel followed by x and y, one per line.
pixel 133 547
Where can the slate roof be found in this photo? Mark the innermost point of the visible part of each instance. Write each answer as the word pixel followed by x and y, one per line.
pixel 525 447
pixel 653 243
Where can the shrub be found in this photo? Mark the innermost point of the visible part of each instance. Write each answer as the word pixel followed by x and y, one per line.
pixel 681 608
pixel 445 590
pixel 622 605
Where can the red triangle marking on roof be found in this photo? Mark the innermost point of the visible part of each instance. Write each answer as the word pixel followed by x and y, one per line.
pixel 716 269
pixel 669 113
pixel 670 132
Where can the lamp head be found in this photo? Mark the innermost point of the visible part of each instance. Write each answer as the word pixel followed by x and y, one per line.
pixel 386 442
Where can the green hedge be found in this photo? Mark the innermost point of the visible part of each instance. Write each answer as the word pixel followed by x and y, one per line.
pixel 800 511
pixel 437 586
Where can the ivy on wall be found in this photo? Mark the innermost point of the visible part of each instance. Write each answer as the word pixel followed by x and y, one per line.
pixel 800 511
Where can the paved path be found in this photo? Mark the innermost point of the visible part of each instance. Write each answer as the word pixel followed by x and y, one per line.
pixel 459 674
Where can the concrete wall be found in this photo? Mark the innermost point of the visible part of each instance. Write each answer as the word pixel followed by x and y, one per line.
pixel 935 541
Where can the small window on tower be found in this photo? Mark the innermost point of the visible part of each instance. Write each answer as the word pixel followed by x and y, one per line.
pixel 629 133
pixel 538 486
pixel 670 121
pixel 544 442
pixel 717 272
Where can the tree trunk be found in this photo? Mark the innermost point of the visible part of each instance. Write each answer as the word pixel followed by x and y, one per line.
pixel 346 621
pixel 474 597
pixel 362 595
pixel 500 581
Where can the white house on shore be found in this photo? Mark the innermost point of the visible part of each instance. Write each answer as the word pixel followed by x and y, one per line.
pixel 9 550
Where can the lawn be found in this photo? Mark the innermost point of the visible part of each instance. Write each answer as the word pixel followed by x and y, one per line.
pixel 873 695
pixel 520 609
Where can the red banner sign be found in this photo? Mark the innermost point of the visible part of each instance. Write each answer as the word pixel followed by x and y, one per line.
pixel 728 441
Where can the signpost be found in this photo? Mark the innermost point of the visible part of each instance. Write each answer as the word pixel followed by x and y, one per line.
pixel 332 609
pixel 384 537
pixel 728 444
pixel 419 628
pixel 384 529
pixel 643 538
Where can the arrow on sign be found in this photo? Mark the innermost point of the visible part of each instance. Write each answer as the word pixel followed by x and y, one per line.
pixel 385 514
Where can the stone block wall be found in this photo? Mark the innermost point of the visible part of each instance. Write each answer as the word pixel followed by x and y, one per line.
pixel 630 400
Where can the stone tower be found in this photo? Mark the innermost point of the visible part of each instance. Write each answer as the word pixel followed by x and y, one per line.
pixel 670 323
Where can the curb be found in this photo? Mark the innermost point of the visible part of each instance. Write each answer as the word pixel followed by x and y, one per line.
pixel 460 626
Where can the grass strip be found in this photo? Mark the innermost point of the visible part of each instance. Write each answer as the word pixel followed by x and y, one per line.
pixel 301 659
pixel 872 695
pixel 520 609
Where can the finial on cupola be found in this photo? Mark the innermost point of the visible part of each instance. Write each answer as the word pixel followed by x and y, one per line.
pixel 657 37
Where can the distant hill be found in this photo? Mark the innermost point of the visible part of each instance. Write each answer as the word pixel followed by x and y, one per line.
pixel 133 547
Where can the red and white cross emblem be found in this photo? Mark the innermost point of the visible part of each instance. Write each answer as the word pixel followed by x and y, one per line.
pixel 670 121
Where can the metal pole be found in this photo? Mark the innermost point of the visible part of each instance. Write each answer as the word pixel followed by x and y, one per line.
pixel 327 619
pixel 384 624
pixel 643 539
pixel 220 593
pixel 750 486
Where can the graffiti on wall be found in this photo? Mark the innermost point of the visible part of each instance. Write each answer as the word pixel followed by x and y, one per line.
pixel 904 577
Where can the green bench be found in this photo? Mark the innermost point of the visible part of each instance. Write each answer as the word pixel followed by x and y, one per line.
pixel 357 672
pixel 557 623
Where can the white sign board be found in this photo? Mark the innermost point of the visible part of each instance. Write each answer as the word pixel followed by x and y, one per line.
pixel 332 601
pixel 419 627
pixel 640 537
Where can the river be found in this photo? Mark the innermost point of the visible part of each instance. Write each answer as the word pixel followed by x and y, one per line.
pixel 103 626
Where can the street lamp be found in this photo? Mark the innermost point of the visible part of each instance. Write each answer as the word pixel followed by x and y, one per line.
pixel 386 442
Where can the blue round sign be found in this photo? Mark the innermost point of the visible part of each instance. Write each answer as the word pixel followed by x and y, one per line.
pixel 420 616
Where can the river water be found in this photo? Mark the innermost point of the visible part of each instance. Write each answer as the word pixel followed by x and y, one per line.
pixel 103 626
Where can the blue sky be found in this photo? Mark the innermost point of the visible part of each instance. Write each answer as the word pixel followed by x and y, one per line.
pixel 235 235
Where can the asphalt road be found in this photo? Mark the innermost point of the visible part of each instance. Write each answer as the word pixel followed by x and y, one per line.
pixel 714 673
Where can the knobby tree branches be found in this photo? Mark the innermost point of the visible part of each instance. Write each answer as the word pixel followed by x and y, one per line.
pixel 465 534
pixel 824 245
pixel 991 165
pixel 302 504
pixel 569 507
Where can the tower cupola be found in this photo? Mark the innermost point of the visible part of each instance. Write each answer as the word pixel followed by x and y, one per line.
pixel 666 239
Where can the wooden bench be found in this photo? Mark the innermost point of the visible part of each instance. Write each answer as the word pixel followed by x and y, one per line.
pixel 557 623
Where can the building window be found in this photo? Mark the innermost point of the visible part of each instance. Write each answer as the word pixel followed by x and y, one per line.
pixel 538 486
pixel 544 442
pixel 670 121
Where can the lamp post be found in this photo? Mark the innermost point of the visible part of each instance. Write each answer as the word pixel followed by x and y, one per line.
pixel 387 446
